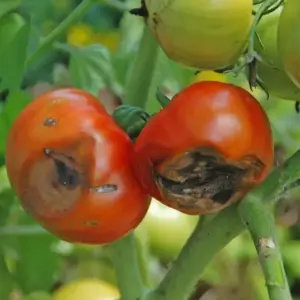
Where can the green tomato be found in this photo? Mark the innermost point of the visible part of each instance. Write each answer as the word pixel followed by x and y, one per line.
pixel 278 83
pixel 266 38
pixel 289 39
pixel 270 71
pixel 167 230
pixel 204 34
pixel 87 289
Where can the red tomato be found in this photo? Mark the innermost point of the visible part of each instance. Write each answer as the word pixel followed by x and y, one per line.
pixel 71 166
pixel 206 149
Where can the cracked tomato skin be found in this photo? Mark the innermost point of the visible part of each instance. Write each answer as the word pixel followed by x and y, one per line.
pixel 211 114
pixel 71 167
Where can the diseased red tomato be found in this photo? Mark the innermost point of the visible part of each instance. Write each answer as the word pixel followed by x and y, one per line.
pixel 206 149
pixel 71 166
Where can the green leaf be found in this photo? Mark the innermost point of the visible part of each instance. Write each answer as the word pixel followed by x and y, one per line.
pixel 90 67
pixel 14 104
pixel 13 54
pixel 6 279
pixel 38 263
pixel 8 5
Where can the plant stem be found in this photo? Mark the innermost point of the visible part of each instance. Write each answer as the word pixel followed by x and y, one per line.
pixel 124 256
pixel 138 86
pixel 124 252
pixel 264 6
pixel 205 242
pixel 72 18
pixel 22 230
pixel 261 223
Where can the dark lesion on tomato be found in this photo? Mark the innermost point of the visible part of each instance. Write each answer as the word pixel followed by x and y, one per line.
pixel 203 180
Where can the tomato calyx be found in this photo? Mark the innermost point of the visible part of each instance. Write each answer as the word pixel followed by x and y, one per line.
pixel 132 119
pixel 204 179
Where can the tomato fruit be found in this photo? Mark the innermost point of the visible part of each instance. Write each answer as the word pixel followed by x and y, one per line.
pixel 208 75
pixel 270 71
pixel 204 34
pixel 289 40
pixel 278 83
pixel 71 166
pixel 206 149
pixel 89 289
pixel 167 230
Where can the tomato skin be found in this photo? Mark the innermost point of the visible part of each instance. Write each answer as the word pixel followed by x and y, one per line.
pixel 288 40
pixel 203 42
pixel 61 153
pixel 206 114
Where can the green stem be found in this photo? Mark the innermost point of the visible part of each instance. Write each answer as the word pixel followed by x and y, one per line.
pixel 139 83
pixel 124 252
pixel 264 6
pixel 205 242
pixel 124 257
pixel 261 223
pixel 22 230
pixel 46 43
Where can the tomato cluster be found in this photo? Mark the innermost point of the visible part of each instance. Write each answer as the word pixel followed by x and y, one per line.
pixel 76 169
pixel 80 176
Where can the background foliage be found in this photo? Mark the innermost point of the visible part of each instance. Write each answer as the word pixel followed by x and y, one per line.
pixel 96 54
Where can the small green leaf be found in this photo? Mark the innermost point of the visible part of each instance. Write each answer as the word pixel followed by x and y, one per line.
pixel 90 67
pixel 13 55
pixel 6 279
pixel 15 102
pixel 8 5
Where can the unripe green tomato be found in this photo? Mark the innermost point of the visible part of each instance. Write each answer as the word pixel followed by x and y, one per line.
pixel 266 38
pixel 205 34
pixel 270 71
pixel 278 83
pixel 87 289
pixel 289 39
pixel 167 229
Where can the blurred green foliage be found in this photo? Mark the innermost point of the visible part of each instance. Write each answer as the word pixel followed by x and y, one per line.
pixel 33 262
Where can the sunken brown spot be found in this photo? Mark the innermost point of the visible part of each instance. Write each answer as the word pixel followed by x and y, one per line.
pixel 49 122
pixel 55 183
pixel 202 180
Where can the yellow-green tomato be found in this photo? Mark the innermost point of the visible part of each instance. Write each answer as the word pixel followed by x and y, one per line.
pixel 266 38
pixel 289 39
pixel 87 289
pixel 167 229
pixel 270 70
pixel 278 83
pixel 205 34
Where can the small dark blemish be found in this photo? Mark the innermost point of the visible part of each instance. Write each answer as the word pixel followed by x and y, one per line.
pixel 49 122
